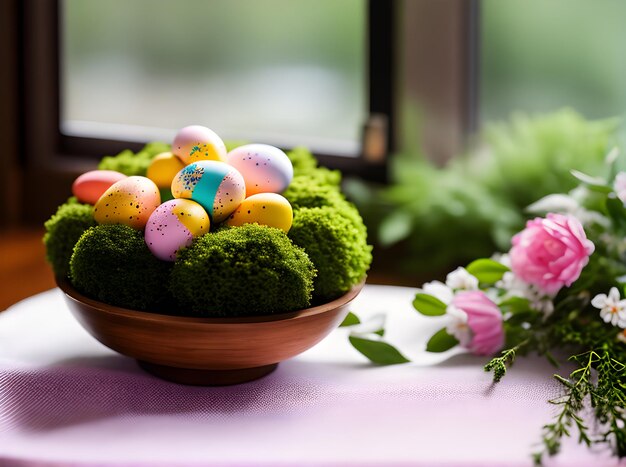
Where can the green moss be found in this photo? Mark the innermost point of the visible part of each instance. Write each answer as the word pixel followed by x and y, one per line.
pixel 305 165
pixel 248 270
pixel 112 263
pixel 336 243
pixel 302 160
pixel 130 163
pixel 63 230
pixel 304 193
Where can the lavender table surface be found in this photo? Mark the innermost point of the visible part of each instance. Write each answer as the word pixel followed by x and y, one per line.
pixel 67 400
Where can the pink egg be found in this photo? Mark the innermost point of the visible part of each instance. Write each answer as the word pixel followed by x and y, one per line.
pixel 90 186
pixel 173 225
pixel 197 143
pixel 265 168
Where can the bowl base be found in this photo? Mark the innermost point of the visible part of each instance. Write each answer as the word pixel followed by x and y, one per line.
pixel 194 377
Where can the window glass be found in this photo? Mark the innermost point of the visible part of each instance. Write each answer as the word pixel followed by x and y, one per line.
pixel 278 71
pixel 541 55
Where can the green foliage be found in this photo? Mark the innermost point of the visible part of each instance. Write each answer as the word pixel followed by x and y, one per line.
pixel 499 364
pixel 474 205
pixel 130 163
pixel 248 270
pixel 441 341
pixel 112 263
pixel 336 244
pixel 350 320
pixel 378 351
pixel 429 305
pixel 487 270
pixel 63 230
pixel 531 156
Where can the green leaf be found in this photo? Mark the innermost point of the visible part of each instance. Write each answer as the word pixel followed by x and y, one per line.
pixel 378 352
pixel 395 227
pixel 515 305
pixel 429 305
pixel 487 270
pixel 350 320
pixel 441 341
pixel 616 210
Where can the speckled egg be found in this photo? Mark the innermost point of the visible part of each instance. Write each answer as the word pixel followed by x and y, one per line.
pixel 163 169
pixel 197 143
pixel 173 225
pixel 269 209
pixel 129 201
pixel 89 187
pixel 217 186
pixel 265 169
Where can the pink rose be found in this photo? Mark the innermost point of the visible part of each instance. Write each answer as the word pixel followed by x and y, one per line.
pixel 477 323
pixel 550 253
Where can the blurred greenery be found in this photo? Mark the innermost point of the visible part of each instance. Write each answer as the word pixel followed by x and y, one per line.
pixel 537 56
pixel 436 218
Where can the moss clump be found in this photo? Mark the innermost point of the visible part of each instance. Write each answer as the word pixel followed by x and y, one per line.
pixel 130 163
pixel 303 193
pixel 63 230
pixel 305 165
pixel 302 160
pixel 248 270
pixel 112 263
pixel 337 245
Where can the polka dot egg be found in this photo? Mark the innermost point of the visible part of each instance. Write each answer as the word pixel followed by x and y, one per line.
pixel 173 225
pixel 269 209
pixel 266 169
pixel 217 186
pixel 129 201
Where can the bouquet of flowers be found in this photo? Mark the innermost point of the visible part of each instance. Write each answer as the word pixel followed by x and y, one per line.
pixel 561 287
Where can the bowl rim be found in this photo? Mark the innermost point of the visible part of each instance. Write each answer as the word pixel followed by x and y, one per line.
pixel 72 293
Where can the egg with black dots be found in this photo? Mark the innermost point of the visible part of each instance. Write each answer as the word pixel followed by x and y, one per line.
pixel 270 209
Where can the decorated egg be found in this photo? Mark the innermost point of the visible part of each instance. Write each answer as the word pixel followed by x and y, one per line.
pixel 265 169
pixel 163 169
pixel 89 187
pixel 129 201
pixel 269 209
pixel 173 225
pixel 217 186
pixel 197 143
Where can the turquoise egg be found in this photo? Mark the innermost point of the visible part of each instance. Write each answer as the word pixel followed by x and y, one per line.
pixel 216 186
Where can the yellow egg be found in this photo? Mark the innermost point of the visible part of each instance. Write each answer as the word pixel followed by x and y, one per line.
pixel 269 209
pixel 164 168
pixel 130 201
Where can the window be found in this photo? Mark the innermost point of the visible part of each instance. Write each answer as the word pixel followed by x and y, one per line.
pixel 97 77
pixel 538 56
pixel 276 71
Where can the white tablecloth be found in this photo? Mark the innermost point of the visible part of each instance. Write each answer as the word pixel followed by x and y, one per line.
pixel 67 400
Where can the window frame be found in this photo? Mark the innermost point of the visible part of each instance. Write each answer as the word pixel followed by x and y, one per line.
pixel 52 160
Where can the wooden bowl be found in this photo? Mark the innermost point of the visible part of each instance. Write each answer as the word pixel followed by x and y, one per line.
pixel 207 351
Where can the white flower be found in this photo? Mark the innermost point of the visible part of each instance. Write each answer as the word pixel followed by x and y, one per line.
pixel 371 326
pixel 612 309
pixel 568 204
pixel 438 290
pixel 620 186
pixel 515 287
pixel 460 279
pixel 458 326
pixel 622 337
pixel 502 258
